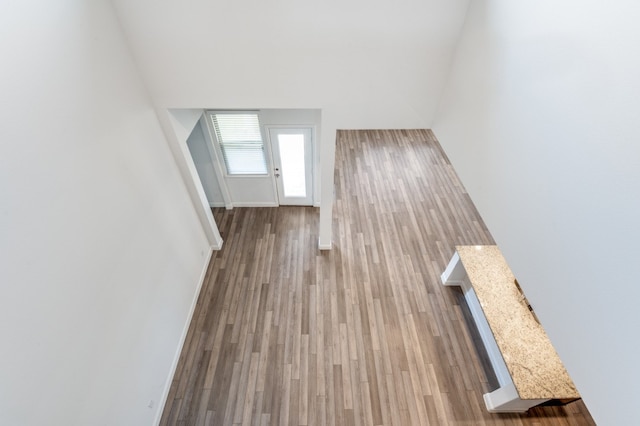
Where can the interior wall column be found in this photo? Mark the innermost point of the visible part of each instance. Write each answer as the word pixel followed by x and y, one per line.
pixel 177 125
pixel 327 165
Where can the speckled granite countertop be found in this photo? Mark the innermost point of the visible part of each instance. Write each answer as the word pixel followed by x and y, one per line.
pixel 535 367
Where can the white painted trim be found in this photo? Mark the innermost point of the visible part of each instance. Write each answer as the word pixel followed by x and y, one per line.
pixel 317 138
pixel 218 165
pixel 255 204
pixel 270 163
pixel 185 330
pixel 454 273
pixel 217 204
pixel 505 399
pixel 324 246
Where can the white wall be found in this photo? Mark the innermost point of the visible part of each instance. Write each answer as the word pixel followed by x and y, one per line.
pixel 377 63
pixel 540 119
pixel 101 250
pixel 206 171
pixel 365 64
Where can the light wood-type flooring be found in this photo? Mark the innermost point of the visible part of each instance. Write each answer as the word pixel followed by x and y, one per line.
pixel 363 334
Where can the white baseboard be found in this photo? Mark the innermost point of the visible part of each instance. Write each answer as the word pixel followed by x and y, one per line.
pixel 216 204
pixel 255 204
pixel 185 330
pixel 250 204
pixel 324 246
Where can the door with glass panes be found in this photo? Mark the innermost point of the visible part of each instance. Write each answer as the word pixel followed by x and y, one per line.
pixel 292 164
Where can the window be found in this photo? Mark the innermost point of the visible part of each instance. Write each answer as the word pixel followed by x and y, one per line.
pixel 240 141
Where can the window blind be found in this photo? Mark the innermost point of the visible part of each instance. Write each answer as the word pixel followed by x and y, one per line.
pixel 240 142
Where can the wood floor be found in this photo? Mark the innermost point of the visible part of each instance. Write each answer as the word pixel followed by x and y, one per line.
pixel 364 334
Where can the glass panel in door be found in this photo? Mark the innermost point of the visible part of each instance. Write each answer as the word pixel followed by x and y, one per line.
pixel 292 167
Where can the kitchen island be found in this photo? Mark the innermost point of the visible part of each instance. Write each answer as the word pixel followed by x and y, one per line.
pixel 526 365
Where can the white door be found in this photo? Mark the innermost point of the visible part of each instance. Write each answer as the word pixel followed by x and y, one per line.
pixel 292 151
